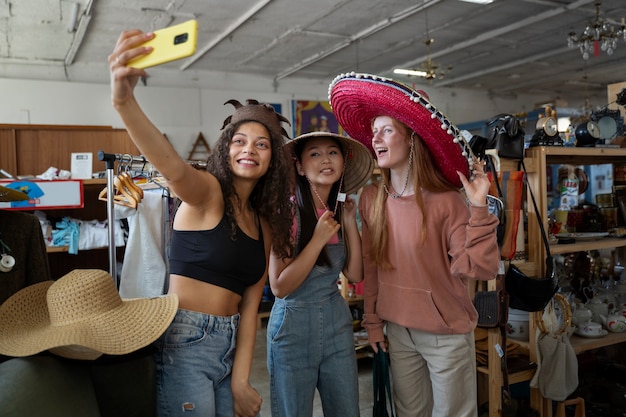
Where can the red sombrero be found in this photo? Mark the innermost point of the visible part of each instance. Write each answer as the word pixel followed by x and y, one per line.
pixel 356 99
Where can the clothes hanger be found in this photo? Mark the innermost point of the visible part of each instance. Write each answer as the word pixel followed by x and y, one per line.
pixel 122 196
pixel 127 181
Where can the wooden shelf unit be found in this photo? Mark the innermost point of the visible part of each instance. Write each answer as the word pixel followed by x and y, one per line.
pixel 32 149
pixel 537 161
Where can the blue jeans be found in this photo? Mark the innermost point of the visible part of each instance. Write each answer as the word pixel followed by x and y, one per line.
pixel 194 360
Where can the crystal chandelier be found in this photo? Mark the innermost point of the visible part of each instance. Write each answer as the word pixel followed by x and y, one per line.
pixel 599 35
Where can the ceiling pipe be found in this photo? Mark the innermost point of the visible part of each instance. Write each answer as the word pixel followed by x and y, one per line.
pixel 502 67
pixel 83 24
pixel 71 24
pixel 361 35
pixel 229 30
pixel 549 14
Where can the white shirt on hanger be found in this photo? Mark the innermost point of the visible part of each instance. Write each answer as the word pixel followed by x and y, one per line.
pixel 144 268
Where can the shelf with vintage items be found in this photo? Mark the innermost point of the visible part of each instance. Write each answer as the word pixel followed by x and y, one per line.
pixel 604 243
pixel 537 161
pixel 26 150
pixel 583 344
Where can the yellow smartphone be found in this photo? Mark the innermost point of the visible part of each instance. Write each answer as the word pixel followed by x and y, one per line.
pixel 169 44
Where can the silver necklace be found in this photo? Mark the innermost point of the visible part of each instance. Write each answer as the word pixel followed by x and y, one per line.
pixel 408 173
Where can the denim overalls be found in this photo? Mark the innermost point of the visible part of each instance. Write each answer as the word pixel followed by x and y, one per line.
pixel 310 344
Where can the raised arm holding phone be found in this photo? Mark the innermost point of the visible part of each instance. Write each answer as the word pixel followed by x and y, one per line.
pixel 229 218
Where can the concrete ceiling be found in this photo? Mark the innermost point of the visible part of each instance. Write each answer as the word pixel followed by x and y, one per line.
pixel 508 47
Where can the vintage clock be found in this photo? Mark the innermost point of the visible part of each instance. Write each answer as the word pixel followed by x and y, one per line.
pixel 587 133
pixel 546 133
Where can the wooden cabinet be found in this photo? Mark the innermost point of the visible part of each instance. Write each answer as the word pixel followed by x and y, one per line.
pixel 32 149
pixel 537 161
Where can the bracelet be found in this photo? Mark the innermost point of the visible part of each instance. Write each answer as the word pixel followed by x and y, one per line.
pixel 478 205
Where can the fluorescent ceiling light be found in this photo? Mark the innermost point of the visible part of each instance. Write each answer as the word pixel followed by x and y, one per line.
pixel 409 72
pixel 478 1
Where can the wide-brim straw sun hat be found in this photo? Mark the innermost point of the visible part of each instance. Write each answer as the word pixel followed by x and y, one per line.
pixel 359 161
pixel 356 99
pixel 80 310
pixel 9 194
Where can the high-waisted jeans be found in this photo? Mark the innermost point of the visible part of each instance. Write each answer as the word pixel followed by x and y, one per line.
pixel 194 360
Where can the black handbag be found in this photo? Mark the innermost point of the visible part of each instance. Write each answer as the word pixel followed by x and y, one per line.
pixel 526 293
pixel 492 307
pixel 383 401
pixel 506 135
pixel 493 311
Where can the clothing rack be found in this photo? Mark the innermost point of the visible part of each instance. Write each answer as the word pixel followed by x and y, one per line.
pixel 110 159
pixel 130 163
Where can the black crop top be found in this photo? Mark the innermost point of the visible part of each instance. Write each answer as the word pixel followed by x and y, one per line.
pixel 212 256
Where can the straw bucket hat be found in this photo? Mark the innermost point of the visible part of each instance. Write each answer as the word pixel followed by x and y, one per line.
pixel 356 99
pixel 359 161
pixel 78 314
pixel 9 194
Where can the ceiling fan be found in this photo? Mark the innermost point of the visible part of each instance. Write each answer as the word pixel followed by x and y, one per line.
pixel 429 69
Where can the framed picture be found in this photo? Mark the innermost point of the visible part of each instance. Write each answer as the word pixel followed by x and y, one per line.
pixel 312 116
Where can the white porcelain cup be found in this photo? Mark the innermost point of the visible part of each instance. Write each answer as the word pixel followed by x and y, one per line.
pixel 591 328
pixel 7 262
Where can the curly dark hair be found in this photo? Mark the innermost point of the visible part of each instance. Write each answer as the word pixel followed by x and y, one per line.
pixel 271 195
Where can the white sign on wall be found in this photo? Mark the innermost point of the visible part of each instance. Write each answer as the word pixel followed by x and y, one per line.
pixel 43 194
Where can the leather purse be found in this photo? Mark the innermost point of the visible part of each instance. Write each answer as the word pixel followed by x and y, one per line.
pixel 492 308
pixel 505 134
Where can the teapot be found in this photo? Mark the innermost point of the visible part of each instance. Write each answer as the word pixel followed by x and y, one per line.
pixel 581 314
pixel 614 322
pixel 598 308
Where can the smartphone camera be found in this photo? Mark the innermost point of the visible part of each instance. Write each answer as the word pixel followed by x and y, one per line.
pixel 182 38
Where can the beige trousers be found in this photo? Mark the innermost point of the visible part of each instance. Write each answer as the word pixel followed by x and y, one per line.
pixel 432 375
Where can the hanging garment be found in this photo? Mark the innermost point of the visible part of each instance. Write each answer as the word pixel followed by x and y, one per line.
pixel 144 269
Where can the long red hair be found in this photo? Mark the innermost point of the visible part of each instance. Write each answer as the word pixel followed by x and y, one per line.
pixel 424 175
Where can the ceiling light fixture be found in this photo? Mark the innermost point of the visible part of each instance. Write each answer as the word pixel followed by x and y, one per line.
pixel 415 73
pixel 429 69
pixel 478 1
pixel 598 35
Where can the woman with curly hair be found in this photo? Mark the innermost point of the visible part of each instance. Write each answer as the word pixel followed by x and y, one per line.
pixel 230 216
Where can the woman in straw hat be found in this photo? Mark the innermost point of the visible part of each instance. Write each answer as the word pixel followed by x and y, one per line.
pixel 422 242
pixel 230 216
pixel 310 343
